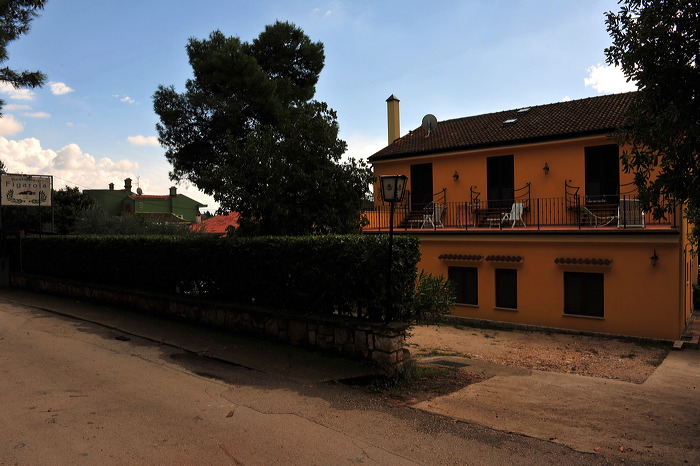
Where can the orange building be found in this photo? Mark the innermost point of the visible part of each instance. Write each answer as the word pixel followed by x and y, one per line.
pixel 529 213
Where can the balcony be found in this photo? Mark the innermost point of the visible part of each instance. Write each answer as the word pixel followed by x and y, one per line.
pixel 536 214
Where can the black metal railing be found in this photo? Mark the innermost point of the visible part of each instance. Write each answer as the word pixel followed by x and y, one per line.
pixel 534 213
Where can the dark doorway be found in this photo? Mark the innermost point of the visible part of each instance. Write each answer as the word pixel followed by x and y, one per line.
pixel 602 174
pixel 421 185
pixel 499 181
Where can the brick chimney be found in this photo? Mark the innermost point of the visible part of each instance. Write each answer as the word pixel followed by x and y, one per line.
pixel 127 185
pixel 111 186
pixel 173 191
pixel 392 110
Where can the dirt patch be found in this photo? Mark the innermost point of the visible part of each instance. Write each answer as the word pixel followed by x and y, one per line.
pixel 572 354
pixel 423 382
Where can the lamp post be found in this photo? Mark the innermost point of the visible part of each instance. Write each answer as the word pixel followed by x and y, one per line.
pixel 393 187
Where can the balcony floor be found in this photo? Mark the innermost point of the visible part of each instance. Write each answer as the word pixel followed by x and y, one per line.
pixel 548 229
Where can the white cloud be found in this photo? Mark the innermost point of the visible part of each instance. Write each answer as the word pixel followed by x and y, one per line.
pixel 37 114
pixel 16 94
pixel 13 107
pixel 361 147
pixel 124 98
pixel 60 88
pixel 608 79
pixel 335 7
pixel 9 126
pixel 69 165
pixel 143 140
pixel 566 98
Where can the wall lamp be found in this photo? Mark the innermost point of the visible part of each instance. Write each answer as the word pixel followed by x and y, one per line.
pixel 455 176
pixel 546 168
pixel 654 259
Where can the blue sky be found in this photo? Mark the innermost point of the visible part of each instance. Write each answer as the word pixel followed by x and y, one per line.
pixel 93 123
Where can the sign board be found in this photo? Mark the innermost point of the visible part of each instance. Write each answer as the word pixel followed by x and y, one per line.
pixel 25 190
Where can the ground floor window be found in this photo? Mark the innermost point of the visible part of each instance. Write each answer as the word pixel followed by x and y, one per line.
pixel 507 288
pixel 583 294
pixel 466 284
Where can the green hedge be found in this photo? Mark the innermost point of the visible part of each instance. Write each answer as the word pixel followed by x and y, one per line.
pixel 314 274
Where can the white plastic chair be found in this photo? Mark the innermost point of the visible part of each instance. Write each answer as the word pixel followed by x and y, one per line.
pixel 433 215
pixel 515 215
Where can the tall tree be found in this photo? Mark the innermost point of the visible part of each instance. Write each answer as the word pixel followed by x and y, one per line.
pixel 247 131
pixel 69 207
pixel 656 43
pixel 15 16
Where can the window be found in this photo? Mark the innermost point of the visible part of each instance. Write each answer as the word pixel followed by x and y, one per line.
pixel 507 288
pixel 466 283
pixel 583 294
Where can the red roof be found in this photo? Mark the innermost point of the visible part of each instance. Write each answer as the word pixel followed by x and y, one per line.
pixel 145 197
pixel 217 225
pixel 575 118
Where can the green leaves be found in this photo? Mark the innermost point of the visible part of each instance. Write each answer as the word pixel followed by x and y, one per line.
pixel 248 132
pixel 434 297
pixel 334 275
pixel 657 44
pixel 15 17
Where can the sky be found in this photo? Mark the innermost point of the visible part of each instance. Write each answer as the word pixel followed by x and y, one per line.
pixel 93 122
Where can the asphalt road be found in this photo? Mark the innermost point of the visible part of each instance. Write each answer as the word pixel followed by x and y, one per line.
pixel 74 392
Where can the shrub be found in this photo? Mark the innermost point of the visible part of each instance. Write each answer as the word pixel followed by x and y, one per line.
pixel 344 275
pixel 434 297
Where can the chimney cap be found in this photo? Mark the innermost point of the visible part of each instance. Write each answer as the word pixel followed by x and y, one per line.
pixel 392 97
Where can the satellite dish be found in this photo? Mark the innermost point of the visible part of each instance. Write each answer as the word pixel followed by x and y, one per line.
pixel 139 191
pixel 429 123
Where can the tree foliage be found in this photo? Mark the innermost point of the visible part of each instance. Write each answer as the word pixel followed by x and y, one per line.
pixel 15 16
pixel 247 131
pixel 656 43
pixel 70 205
pixel 95 222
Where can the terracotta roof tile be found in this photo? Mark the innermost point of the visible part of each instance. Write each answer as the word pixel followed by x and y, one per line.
pixel 594 115
pixel 217 225
pixel 582 261
pixel 516 259
pixel 460 257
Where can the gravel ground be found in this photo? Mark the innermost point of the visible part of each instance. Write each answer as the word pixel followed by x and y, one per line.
pixel 603 357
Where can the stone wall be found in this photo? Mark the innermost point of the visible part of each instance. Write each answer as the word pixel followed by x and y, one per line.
pixel 379 343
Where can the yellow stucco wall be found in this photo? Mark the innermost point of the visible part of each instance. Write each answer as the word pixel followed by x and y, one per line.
pixel 565 159
pixel 640 300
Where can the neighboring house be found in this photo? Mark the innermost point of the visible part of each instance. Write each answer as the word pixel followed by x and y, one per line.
pixel 529 213
pixel 218 225
pixel 169 208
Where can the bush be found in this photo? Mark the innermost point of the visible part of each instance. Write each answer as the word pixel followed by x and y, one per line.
pixel 95 222
pixel 434 297
pixel 343 275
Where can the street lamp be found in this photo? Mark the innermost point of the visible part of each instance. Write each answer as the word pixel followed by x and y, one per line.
pixel 393 188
